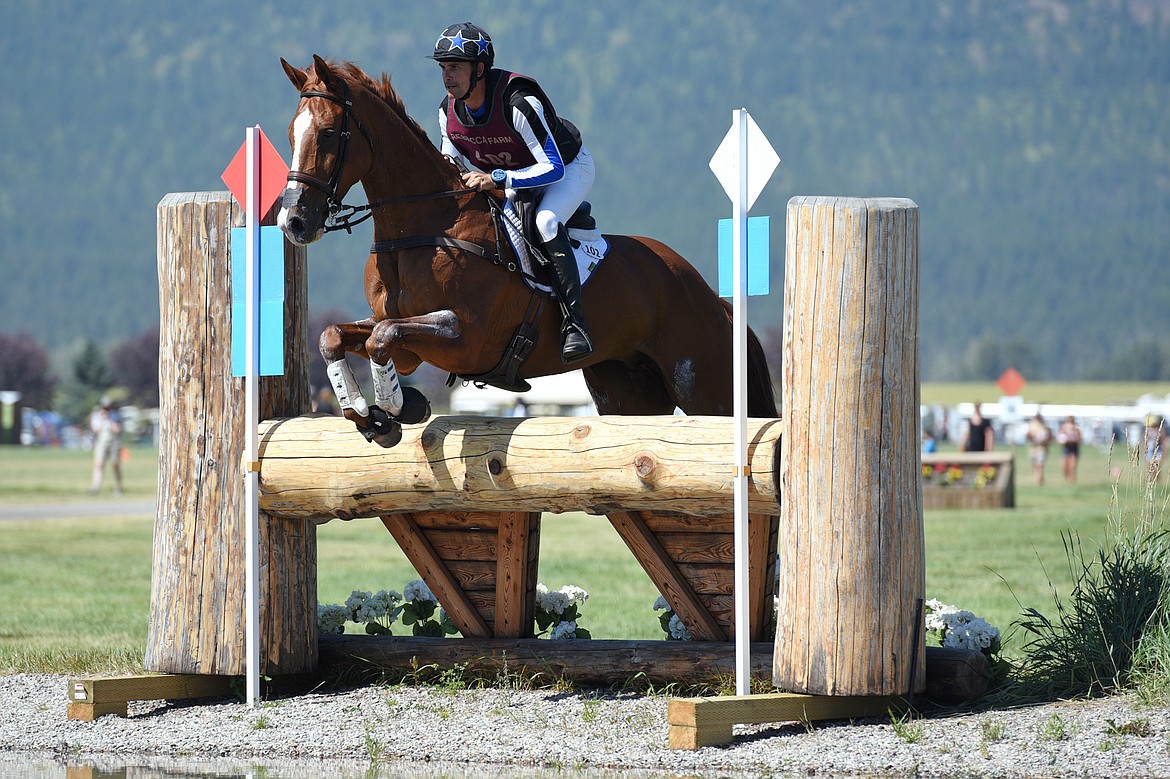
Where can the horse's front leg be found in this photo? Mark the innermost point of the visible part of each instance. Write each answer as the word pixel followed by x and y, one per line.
pixel 406 338
pixel 335 342
pixel 394 405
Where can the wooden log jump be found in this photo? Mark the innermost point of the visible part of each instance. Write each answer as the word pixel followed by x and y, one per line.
pixel 318 466
pixel 462 496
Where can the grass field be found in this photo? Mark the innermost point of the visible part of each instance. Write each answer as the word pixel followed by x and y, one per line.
pixel 75 592
pixel 1081 393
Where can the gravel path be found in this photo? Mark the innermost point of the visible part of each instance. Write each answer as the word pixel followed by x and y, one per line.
pixel 432 731
pixel 107 507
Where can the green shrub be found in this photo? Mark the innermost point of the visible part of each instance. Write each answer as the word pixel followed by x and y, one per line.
pixel 1113 629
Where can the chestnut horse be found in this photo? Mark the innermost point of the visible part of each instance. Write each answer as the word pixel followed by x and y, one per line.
pixel 662 336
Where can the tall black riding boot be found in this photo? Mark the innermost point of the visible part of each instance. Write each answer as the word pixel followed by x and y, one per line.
pixel 575 343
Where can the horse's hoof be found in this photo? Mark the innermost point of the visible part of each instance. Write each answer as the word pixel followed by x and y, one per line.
pixel 389 440
pixel 415 407
pixel 381 429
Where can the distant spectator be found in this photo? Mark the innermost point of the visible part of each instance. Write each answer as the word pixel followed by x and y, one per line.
pixel 325 403
pixel 929 445
pixel 1039 439
pixel 106 424
pixel 1069 437
pixel 979 436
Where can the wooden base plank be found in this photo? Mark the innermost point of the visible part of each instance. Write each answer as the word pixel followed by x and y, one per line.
pixel 88 712
pixel 606 662
pixel 148 687
pixel 700 722
pixel 94 697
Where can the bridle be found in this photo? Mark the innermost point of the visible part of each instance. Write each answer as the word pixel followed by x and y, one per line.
pixel 340 214
pixel 330 187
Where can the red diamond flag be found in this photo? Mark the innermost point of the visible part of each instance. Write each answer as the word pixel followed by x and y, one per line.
pixel 273 174
pixel 1011 382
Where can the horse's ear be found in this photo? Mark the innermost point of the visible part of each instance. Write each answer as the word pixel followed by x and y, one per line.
pixel 325 73
pixel 297 76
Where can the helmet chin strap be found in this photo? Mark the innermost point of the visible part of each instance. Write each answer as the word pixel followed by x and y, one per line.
pixel 474 79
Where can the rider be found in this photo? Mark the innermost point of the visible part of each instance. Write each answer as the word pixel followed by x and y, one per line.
pixel 503 128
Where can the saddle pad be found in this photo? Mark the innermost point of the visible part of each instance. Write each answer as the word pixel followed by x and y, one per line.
pixel 589 248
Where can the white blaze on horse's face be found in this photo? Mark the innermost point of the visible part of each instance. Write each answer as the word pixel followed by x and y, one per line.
pixel 301 128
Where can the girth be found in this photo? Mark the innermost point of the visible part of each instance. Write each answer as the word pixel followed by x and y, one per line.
pixel 385 247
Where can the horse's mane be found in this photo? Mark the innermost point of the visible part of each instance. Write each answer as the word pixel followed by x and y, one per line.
pixel 382 87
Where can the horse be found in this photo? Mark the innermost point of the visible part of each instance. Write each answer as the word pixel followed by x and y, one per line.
pixel 444 289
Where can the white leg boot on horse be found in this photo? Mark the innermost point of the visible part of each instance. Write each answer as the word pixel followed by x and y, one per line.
pixel 373 423
pixel 403 404
pixel 345 387
pixel 575 343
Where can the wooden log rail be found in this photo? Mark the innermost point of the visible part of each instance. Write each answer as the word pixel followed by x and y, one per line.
pixel 316 467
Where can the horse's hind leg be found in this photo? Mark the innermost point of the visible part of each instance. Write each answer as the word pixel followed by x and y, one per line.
pixel 628 388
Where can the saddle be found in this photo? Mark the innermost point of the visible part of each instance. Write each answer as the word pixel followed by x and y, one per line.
pixel 589 247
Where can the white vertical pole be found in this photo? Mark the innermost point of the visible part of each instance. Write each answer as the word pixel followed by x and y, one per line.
pixel 251 420
pixel 739 121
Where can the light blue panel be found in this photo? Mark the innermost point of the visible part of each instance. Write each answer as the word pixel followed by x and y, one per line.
pixel 271 314
pixel 272 337
pixel 759 256
pixel 272 264
pixel 239 309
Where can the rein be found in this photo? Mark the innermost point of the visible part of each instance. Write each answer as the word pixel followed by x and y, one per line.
pixel 341 216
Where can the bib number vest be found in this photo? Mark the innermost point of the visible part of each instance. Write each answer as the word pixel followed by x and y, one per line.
pixel 494 144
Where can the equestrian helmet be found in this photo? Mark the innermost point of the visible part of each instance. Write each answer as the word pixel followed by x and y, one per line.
pixel 465 42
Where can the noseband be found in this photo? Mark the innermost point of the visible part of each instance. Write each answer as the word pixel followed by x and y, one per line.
pixel 330 187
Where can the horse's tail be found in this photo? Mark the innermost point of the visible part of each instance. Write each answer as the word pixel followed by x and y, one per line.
pixel 761 399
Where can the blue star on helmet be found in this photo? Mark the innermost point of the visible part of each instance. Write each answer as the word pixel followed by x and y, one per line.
pixel 458 42
pixel 482 43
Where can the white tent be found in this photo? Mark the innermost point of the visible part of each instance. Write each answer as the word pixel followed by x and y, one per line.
pixel 562 395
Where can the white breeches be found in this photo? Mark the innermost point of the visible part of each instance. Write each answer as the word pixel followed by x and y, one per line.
pixel 560 199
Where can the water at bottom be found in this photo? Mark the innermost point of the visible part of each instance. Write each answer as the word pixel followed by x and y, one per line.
pixel 32 766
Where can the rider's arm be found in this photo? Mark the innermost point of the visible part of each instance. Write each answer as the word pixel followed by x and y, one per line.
pixel 529 122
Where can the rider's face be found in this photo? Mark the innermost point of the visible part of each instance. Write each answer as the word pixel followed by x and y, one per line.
pixel 457 77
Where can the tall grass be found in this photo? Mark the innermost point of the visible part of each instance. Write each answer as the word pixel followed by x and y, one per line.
pixel 1112 631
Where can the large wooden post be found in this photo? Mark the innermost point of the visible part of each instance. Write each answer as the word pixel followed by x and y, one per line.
pixel 851 539
pixel 197 588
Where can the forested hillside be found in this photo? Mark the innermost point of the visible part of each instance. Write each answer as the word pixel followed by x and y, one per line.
pixel 1033 136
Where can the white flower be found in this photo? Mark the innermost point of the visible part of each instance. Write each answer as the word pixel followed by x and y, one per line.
pixel 418 590
pixel 331 618
pixel 955 627
pixel 563 630
pixel 574 595
pixel 661 604
pixel 360 608
pixel 386 604
pixel 678 630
